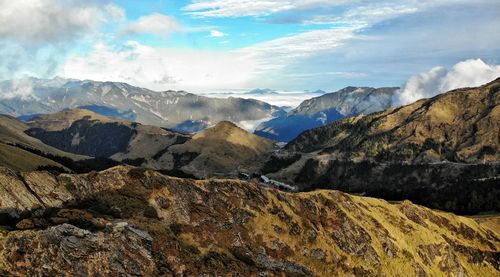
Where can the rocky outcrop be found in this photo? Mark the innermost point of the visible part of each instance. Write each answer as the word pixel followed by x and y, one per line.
pixel 68 250
pixel 139 222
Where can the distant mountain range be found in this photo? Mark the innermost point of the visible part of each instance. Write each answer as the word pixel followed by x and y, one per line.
pixel 325 109
pixel 262 91
pixel 172 109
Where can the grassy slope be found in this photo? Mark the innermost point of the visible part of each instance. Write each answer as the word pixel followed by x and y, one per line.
pixel 19 159
pixel 12 132
pixel 222 148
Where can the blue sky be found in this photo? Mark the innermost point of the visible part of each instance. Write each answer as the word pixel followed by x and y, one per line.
pixel 228 44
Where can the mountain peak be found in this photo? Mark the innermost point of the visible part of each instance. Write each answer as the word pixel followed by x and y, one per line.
pixel 225 124
pixel 262 91
pixel 221 130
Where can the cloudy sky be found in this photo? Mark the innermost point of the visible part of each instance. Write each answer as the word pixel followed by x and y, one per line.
pixel 204 45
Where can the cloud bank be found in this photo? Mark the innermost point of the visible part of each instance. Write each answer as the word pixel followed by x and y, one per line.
pixel 160 68
pixel 468 73
pixel 46 21
pixel 36 35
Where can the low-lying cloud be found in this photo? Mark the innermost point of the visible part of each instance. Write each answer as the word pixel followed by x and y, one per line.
pixel 468 73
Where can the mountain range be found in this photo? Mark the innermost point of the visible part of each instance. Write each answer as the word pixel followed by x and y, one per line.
pixel 171 109
pixel 325 109
pixel 219 150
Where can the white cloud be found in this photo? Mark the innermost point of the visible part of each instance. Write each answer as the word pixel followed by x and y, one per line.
pixel 423 85
pixel 155 23
pixel 468 73
pixel 278 53
pixel 22 88
pixel 217 34
pixel 236 8
pixel 365 15
pixel 45 21
pixel 36 35
pixel 161 68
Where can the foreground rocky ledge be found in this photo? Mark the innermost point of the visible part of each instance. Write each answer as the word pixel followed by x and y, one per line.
pixel 130 221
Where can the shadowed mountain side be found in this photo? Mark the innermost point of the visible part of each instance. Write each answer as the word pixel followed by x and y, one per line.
pixel 12 131
pixel 22 152
pixel 85 132
pixel 79 224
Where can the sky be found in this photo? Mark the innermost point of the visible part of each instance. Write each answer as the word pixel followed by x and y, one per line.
pixel 210 45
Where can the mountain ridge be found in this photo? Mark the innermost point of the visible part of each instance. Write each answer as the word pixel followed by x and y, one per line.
pixel 327 108
pixel 172 109
pixel 440 152
pixel 182 226
pixel 417 121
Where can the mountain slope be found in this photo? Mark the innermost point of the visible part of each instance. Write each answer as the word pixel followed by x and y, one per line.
pixel 462 125
pixel 171 109
pixel 220 150
pixel 12 132
pixel 173 226
pixel 22 152
pixel 85 132
pixel 441 152
pixel 20 159
pixel 321 110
